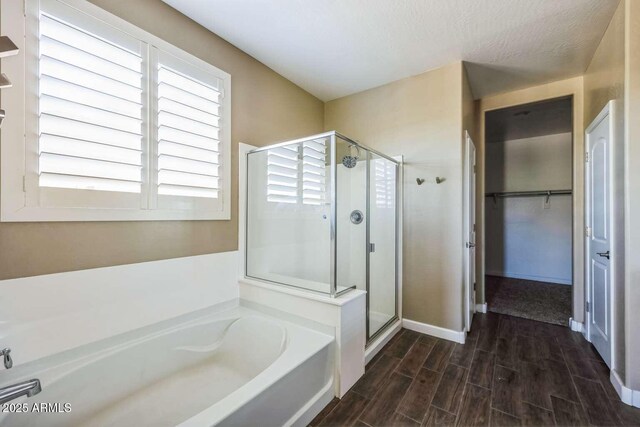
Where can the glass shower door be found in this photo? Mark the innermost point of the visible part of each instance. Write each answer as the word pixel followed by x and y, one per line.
pixel 381 239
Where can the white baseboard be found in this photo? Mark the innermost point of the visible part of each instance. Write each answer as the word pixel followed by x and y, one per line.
pixel 511 275
pixel 627 395
pixel 576 326
pixel 481 308
pixel 435 331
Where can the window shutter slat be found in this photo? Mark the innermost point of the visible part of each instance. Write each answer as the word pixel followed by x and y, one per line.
pixel 384 183
pixel 173 93
pixel 187 165
pixel 60 126
pixel 177 190
pixel 194 127
pixel 83 183
pixel 188 152
pixel 313 172
pixel 282 174
pixel 72 36
pixel 296 174
pixel 89 62
pixel 90 111
pixel 73 92
pixel 188 135
pixel 63 70
pixel 179 109
pixel 86 149
pixel 78 166
pixel 187 179
pixel 87 114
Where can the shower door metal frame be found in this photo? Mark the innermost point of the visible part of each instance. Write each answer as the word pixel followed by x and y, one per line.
pixel 371 338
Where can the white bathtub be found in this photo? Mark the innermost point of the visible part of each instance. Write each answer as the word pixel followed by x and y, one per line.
pixel 236 367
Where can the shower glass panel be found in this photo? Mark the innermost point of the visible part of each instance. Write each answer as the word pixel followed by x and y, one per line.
pixel 288 214
pixel 351 217
pixel 382 298
pixel 322 216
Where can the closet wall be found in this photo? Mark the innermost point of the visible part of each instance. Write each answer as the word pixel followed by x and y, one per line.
pixel 528 238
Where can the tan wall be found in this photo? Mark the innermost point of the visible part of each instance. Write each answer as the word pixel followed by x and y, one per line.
pixel 570 87
pixel 469 106
pixel 421 118
pixel 265 108
pixel 604 78
pixel 632 193
pixel 603 82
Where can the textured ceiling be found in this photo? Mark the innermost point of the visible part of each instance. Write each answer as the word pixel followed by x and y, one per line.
pixel 334 48
pixel 531 120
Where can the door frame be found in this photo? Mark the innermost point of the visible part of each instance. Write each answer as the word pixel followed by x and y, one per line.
pixel 607 113
pixel 572 89
pixel 469 208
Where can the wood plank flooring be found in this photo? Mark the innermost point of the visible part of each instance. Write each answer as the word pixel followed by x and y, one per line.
pixel 510 372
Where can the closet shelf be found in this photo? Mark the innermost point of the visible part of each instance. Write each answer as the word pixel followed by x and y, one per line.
pixel 529 193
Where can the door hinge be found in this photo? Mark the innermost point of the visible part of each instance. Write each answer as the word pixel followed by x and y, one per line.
pixel 474 169
pixel 24 184
pixel 588 307
pixel 587 231
pixel 474 286
pixel 586 157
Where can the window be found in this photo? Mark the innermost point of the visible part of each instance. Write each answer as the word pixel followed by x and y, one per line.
pixel 296 173
pixel 282 174
pixel 313 172
pixel 116 124
pixel 385 183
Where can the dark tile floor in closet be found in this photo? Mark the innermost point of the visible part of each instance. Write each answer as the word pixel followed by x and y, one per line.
pixel 510 372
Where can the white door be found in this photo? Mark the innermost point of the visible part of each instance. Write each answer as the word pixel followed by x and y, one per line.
pixel 598 240
pixel 470 230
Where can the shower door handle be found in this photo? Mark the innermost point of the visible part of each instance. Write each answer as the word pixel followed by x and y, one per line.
pixel 372 247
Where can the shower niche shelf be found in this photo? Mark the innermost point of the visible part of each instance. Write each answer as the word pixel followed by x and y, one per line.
pixel 5 83
pixel 7 47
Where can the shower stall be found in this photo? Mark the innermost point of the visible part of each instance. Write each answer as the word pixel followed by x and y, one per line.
pixel 322 215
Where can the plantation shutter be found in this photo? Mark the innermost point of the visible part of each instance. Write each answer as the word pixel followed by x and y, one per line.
pixel 282 174
pixel 384 182
pixel 313 172
pixel 188 131
pixel 90 102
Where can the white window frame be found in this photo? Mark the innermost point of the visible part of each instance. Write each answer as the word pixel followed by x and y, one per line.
pixel 20 199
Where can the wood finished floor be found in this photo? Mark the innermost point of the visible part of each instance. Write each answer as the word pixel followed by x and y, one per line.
pixel 510 372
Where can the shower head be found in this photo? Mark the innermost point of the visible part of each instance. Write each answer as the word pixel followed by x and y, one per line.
pixel 350 161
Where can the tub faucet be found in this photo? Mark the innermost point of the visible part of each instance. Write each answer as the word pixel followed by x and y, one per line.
pixel 8 362
pixel 14 391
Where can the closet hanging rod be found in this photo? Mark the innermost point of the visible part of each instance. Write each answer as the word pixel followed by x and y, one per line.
pixel 529 193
